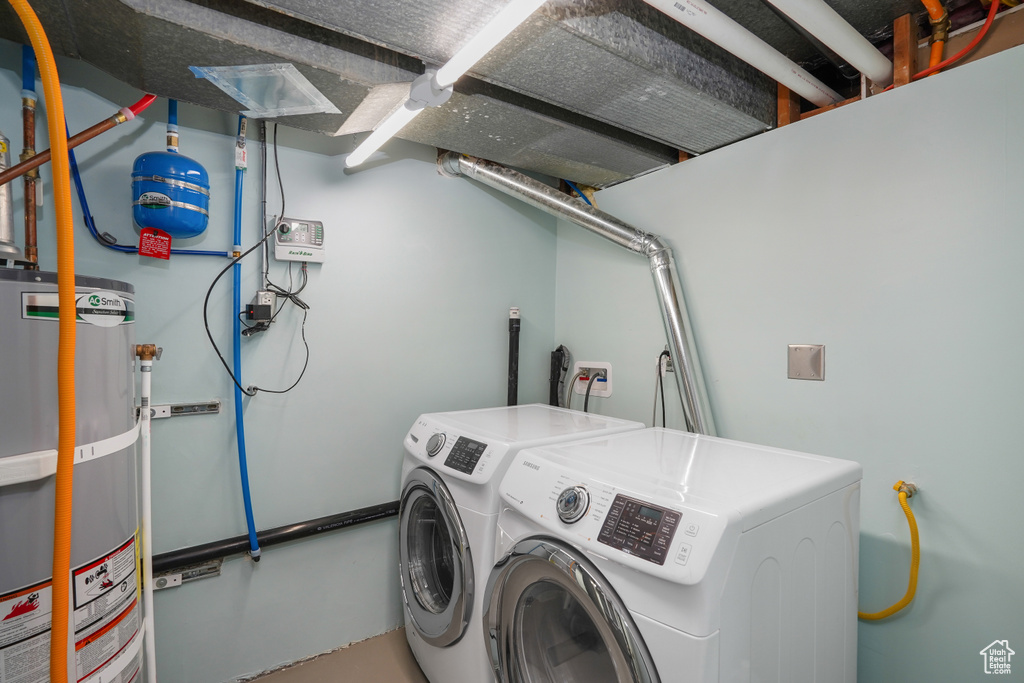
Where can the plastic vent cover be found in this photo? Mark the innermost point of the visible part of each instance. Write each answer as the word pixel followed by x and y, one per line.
pixel 268 90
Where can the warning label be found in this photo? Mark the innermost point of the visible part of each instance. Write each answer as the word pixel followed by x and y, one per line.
pixel 107 614
pixel 154 243
pixel 25 634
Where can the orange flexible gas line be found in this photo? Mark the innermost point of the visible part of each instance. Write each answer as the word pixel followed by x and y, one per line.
pixel 66 347
pixel 939 19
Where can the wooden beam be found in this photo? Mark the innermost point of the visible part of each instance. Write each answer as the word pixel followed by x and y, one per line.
pixel 829 107
pixel 683 156
pixel 904 47
pixel 788 107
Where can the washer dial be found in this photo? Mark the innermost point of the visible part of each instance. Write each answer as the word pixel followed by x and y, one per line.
pixel 435 444
pixel 573 504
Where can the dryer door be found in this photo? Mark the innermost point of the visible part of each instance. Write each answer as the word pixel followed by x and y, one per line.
pixel 436 565
pixel 552 618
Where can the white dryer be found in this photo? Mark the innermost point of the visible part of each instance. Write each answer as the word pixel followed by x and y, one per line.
pixel 449 507
pixel 658 555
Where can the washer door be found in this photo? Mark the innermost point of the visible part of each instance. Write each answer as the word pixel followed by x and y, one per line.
pixel 552 618
pixel 436 565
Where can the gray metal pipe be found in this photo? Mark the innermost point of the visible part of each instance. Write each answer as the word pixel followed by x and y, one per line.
pixel 689 379
pixel 8 249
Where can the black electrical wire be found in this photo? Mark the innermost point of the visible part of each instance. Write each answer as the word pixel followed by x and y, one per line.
pixel 206 305
pixel 586 397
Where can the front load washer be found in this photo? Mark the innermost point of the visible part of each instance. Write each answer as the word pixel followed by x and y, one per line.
pixel 658 555
pixel 449 506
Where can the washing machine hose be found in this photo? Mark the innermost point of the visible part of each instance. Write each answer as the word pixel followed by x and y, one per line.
pixel 905 491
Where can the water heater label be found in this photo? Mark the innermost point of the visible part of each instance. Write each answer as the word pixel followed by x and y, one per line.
pixel 25 634
pixel 107 613
pixel 100 308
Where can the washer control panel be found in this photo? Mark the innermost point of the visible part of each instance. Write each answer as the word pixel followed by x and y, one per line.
pixel 646 527
pixel 639 528
pixel 465 454
pixel 441 446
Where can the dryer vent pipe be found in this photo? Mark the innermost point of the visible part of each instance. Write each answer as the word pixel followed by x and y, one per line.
pixel 689 379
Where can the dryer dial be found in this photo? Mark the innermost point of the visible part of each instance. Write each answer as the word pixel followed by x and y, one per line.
pixel 573 504
pixel 435 444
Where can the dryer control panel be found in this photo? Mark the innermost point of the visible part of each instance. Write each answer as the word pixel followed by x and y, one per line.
pixel 639 528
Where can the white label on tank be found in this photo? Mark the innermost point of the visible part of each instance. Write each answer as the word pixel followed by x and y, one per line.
pixel 103 309
pixel 25 634
pixel 154 200
pixel 45 306
pixel 108 616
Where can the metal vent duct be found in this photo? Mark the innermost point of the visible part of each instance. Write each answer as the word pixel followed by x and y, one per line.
pixel 598 91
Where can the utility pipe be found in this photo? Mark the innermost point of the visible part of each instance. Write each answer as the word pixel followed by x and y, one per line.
pixel 125 114
pixel 236 340
pixel 689 379
pixel 938 17
pixel 28 123
pixel 513 356
pixel 146 353
pixel 717 27
pixel 64 484
pixel 215 550
pixel 825 24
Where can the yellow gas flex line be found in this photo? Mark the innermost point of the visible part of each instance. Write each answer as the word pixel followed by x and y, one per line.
pixel 66 347
pixel 905 491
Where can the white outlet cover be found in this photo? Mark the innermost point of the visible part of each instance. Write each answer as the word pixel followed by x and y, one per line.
pixel 600 389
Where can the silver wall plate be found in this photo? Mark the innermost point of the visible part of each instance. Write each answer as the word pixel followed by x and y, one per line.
pixel 807 361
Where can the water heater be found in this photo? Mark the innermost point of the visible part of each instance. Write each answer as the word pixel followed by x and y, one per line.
pixel 105 616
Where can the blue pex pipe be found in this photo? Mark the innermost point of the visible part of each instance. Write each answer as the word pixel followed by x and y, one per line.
pixel 254 544
pixel 28 68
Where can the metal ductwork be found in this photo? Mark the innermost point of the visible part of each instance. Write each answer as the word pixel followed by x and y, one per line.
pixel 597 91
pixel 689 378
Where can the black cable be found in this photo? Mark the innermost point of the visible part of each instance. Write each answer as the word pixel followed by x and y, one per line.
pixel 661 385
pixel 206 305
pixel 305 364
pixel 586 397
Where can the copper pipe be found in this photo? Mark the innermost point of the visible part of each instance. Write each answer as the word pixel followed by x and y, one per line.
pixel 28 120
pixel 44 156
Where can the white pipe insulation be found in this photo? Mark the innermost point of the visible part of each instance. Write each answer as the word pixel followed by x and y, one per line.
pixel 717 27
pixel 147 520
pixel 825 24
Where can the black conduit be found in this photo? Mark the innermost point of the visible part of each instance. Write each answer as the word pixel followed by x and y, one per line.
pixel 513 356
pixel 239 545
pixel 555 376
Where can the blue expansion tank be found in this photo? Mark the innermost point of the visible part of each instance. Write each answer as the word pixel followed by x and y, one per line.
pixel 170 192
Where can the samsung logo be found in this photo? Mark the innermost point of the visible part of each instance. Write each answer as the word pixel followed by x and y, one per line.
pixel 527 463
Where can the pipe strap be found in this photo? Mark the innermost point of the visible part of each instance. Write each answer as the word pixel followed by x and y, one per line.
pixel 18 469
pixel 171 181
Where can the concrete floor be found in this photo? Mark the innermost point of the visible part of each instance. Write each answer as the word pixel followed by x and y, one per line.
pixel 383 659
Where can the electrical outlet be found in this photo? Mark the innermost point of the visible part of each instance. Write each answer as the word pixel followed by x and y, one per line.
pixel 665 364
pixel 602 387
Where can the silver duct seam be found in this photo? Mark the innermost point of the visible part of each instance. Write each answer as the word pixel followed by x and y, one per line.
pixel 689 378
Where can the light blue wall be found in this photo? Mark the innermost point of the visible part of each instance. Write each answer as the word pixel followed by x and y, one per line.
pixel 408 315
pixel 890 231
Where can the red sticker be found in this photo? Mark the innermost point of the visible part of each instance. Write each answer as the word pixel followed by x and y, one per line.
pixel 156 243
